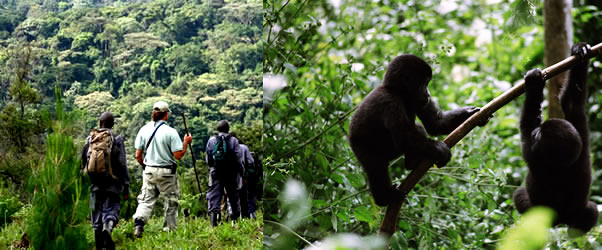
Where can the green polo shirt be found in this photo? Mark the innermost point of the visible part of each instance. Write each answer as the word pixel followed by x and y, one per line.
pixel 160 151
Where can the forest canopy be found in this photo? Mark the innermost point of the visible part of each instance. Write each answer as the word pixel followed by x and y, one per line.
pixel 203 57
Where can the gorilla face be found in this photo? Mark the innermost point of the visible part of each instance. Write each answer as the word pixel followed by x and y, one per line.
pixel 417 94
pixel 423 95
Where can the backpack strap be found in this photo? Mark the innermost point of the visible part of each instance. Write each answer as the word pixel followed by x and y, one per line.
pixel 218 138
pixel 152 136
pixel 226 139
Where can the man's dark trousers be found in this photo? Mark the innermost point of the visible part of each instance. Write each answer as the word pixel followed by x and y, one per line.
pixel 219 182
pixel 106 207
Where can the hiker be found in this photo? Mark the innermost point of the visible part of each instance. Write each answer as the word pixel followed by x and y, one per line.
pixel 247 161
pixel 109 177
pixel 224 167
pixel 163 147
pixel 252 175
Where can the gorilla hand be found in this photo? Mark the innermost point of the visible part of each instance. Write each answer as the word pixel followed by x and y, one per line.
pixel 534 81
pixel 581 50
pixel 471 110
pixel 442 154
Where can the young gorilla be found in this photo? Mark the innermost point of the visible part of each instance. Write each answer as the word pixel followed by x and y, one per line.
pixel 557 151
pixel 383 128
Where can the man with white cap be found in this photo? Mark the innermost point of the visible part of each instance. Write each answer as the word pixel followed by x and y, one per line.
pixel 163 147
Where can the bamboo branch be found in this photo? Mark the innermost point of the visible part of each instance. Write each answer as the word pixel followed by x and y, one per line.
pixel 389 223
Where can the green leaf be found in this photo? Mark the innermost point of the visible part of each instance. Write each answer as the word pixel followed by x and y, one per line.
pixel 356 180
pixel 337 178
pixel 475 160
pixel 333 220
pixel 363 214
pixel 531 232
pixel 344 216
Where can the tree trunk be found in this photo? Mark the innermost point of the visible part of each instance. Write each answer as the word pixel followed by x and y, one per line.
pixel 558 32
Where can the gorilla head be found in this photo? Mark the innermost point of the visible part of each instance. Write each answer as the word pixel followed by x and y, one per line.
pixel 409 76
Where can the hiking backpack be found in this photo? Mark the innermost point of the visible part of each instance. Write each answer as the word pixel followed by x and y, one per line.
pixel 220 150
pixel 99 155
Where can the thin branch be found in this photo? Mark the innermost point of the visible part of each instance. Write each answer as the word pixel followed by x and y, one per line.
pixel 336 202
pixel 290 230
pixel 389 223
pixel 294 16
pixel 342 118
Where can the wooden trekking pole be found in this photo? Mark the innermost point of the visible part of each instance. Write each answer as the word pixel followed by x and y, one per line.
pixel 198 183
pixel 128 210
pixel 389 224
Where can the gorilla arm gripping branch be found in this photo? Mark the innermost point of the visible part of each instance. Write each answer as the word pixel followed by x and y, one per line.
pixel 389 223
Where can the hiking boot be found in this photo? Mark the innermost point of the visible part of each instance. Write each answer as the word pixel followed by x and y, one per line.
pixel 99 239
pixel 107 228
pixel 109 244
pixel 253 216
pixel 214 219
pixel 139 227
pixel 138 231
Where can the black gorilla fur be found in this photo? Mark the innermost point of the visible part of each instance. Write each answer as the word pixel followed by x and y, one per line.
pixel 383 128
pixel 557 151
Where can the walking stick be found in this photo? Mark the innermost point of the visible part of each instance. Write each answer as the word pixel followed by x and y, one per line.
pixel 198 183
pixel 128 210
pixel 389 223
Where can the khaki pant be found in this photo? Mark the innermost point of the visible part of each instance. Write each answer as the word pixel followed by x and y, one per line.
pixel 157 181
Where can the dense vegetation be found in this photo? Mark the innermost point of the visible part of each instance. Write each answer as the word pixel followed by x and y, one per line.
pixel 191 234
pixel 204 57
pixel 325 56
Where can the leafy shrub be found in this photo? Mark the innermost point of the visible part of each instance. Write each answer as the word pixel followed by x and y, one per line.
pixel 9 204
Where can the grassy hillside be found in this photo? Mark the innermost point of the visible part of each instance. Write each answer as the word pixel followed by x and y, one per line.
pixel 192 233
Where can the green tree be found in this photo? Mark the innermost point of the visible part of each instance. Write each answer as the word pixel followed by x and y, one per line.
pixel 82 41
pixel 95 104
pixel 21 123
pixel 20 90
pixel 239 57
pixel 60 194
pixel 245 12
pixel 128 25
pixel 187 58
pixel 16 123
pixel 226 34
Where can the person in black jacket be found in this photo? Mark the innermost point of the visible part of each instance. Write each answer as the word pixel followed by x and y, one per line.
pixel 224 172
pixel 105 194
